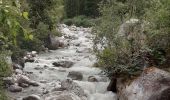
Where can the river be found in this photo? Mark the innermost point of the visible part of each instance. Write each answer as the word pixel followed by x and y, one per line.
pixel 81 54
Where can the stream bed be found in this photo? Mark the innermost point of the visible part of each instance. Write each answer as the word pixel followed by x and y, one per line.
pixel 49 77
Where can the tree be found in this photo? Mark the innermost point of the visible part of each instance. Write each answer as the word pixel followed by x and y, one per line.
pixel 46 11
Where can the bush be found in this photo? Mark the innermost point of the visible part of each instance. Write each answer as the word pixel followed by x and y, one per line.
pixel 2 93
pixel 140 47
pixel 5 70
pixel 79 21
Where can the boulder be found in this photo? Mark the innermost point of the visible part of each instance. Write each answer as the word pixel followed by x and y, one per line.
pixel 25 80
pixel 30 60
pixel 75 75
pixel 18 71
pixel 153 84
pixel 15 88
pixel 64 64
pixel 32 97
pixel 33 83
pixel 72 87
pixel 23 85
pixel 54 43
pixel 16 66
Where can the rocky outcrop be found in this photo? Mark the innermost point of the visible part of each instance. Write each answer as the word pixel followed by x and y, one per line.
pixel 153 84
pixel 75 75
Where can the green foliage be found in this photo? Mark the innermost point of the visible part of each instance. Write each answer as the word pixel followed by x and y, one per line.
pixel 80 21
pixel 145 43
pixel 81 7
pixel 2 93
pixel 10 26
pixel 5 69
pixel 46 11
pixel 159 32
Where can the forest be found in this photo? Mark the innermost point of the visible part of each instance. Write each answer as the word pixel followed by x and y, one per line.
pixel 129 38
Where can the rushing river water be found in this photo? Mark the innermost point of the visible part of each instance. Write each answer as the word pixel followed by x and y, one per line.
pixel 80 52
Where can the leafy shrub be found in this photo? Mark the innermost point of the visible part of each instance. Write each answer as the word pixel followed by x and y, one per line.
pixel 79 21
pixel 2 94
pixel 5 69
pixel 144 46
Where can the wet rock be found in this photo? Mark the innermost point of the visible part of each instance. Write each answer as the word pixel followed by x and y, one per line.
pixel 18 71
pixel 77 44
pixel 75 75
pixel 83 50
pixel 33 83
pixel 34 53
pixel 9 81
pixel 38 68
pixel 32 97
pixel 23 79
pixel 23 85
pixel 64 64
pixel 45 66
pixel 54 43
pixel 16 66
pixel 92 79
pixel 153 84
pixel 43 81
pixel 72 87
pixel 30 60
pixel 15 88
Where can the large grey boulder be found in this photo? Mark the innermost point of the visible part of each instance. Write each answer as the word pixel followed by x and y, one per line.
pixel 153 84
pixel 75 75
pixel 15 88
